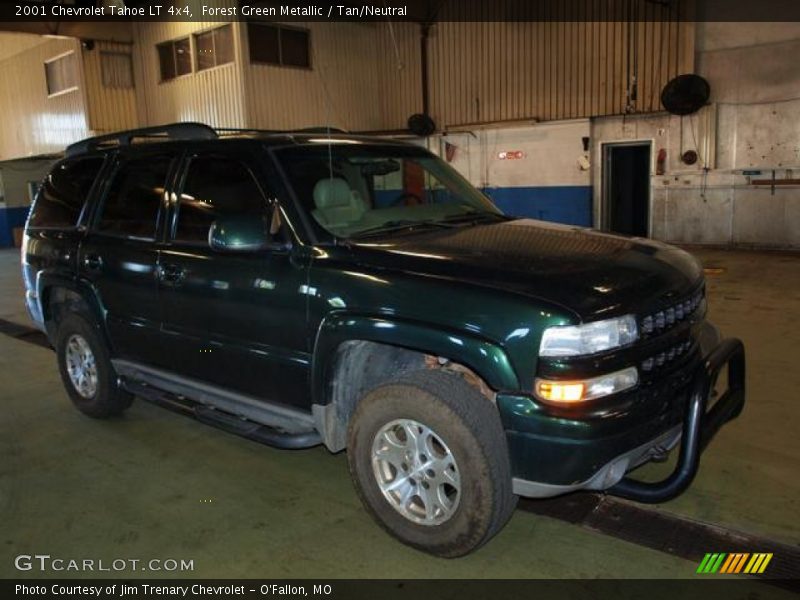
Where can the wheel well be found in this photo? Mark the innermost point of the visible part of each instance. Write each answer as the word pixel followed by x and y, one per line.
pixel 359 366
pixel 58 301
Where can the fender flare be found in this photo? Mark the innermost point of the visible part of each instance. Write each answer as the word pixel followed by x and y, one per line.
pixel 47 281
pixel 487 359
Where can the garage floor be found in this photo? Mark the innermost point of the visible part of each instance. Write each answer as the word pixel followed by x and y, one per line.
pixel 157 485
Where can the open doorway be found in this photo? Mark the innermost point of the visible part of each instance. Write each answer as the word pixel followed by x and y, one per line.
pixel 626 188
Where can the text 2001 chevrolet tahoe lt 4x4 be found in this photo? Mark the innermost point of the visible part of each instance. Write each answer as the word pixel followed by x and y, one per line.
pixel 308 288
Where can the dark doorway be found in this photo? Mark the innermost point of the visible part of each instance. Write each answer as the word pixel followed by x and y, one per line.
pixel 626 174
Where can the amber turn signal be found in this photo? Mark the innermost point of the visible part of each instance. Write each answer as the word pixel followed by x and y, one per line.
pixel 586 389
pixel 559 392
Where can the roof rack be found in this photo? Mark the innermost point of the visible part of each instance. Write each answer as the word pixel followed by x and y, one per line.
pixel 174 131
pixel 237 130
pixel 177 131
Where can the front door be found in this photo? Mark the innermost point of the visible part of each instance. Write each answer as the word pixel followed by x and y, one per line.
pixel 119 255
pixel 233 319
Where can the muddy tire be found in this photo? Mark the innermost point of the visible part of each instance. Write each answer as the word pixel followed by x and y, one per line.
pixel 428 457
pixel 86 369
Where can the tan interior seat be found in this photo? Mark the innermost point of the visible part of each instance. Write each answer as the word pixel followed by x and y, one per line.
pixel 337 205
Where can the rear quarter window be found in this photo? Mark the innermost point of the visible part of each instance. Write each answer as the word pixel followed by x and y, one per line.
pixel 64 193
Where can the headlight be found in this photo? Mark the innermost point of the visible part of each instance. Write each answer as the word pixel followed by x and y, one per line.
pixel 590 338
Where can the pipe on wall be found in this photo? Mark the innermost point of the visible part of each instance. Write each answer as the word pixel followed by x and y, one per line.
pixel 425 32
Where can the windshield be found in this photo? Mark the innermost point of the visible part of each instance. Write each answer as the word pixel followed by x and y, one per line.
pixel 355 190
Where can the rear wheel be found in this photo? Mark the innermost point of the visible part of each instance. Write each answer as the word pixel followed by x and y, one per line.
pixel 86 369
pixel 429 459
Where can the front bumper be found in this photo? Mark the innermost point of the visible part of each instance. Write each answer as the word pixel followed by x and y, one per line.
pixel 551 464
pixel 699 425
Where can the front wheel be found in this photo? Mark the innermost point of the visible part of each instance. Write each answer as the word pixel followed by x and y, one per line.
pixel 428 456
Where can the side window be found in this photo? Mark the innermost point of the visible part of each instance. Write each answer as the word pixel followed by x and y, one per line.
pixel 216 186
pixel 131 205
pixel 64 193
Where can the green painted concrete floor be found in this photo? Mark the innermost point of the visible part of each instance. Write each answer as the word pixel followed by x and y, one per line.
pixel 157 485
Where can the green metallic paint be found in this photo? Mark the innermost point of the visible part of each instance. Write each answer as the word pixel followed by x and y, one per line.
pixel 485 358
pixel 466 323
pixel 269 322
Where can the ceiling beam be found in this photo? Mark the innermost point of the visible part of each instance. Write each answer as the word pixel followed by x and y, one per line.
pixel 112 31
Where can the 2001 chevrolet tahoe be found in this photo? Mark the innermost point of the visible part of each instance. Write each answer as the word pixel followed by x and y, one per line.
pixel 316 288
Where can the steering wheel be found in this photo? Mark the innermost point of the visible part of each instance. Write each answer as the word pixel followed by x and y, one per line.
pixel 401 199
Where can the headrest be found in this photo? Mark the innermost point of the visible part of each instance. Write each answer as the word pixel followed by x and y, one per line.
pixel 332 192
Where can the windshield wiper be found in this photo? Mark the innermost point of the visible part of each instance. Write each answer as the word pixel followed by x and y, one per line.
pixel 474 217
pixel 395 226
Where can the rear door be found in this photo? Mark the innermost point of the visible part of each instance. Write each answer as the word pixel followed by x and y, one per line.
pixel 233 320
pixel 119 254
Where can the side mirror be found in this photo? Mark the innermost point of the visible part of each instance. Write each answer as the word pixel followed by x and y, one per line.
pixel 237 233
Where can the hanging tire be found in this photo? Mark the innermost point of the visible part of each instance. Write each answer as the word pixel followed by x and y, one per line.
pixel 86 370
pixel 428 457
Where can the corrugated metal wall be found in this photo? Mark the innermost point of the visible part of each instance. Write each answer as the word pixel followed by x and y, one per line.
pixel 214 96
pixel 110 108
pixel 367 76
pixel 340 89
pixel 557 68
pixel 397 50
pixel 356 81
pixel 34 123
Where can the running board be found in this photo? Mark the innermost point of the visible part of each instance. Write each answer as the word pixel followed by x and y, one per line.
pixel 249 417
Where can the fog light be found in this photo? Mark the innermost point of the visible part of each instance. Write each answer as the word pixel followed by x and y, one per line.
pixel 587 389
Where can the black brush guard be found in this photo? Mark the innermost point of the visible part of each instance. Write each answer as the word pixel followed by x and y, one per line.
pixel 699 426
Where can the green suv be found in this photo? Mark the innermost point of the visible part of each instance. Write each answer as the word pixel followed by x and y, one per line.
pixel 313 287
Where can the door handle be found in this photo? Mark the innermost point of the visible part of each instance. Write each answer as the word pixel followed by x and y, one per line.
pixel 93 262
pixel 171 273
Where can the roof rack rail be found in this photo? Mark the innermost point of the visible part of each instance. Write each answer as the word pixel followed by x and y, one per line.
pixel 322 129
pixel 174 131
pixel 238 130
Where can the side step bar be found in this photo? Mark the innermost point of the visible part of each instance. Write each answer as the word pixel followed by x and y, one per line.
pixel 270 424
pixel 254 431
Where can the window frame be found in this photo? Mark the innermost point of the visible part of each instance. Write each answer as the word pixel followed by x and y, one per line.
pixel 89 201
pixel 213 32
pixel 279 27
pixel 67 90
pixel 109 176
pixel 252 166
pixel 171 43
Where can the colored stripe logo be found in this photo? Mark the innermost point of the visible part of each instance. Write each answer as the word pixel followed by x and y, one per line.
pixel 735 562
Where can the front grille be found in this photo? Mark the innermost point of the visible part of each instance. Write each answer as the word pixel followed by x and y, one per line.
pixel 665 319
pixel 666 356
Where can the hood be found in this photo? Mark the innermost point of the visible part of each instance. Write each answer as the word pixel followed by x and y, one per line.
pixel 593 274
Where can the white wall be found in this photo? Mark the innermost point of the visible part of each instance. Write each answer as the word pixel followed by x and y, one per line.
pixel 33 122
pixel 752 124
pixel 532 171
pixel 16 175
pixel 550 153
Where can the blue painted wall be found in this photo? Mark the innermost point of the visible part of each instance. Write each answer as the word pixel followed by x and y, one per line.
pixel 9 219
pixel 569 204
